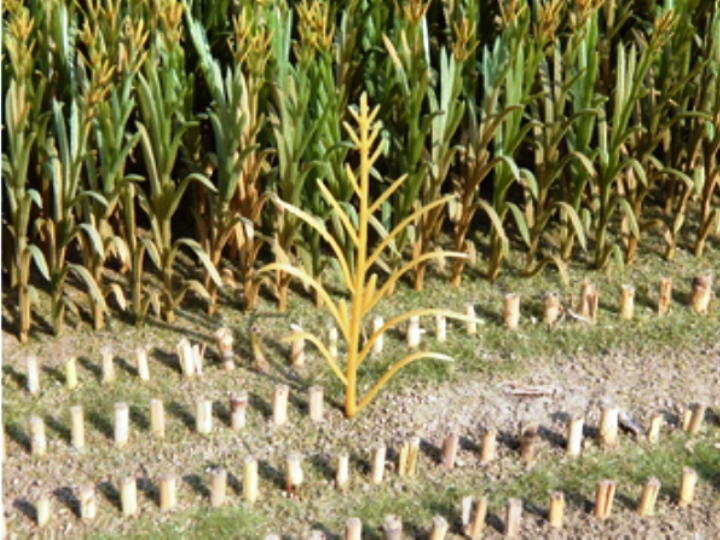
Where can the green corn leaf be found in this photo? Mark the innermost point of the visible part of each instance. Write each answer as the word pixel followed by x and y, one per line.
pixel 627 211
pixel 39 259
pixel 94 237
pixel 520 222
pixel 670 171
pixel 576 222
pixel 586 218
pixel 617 256
pixel 94 195
pixel 34 197
pixel 495 220
pixel 118 247
pixel 638 169
pixel 182 187
pixel 190 285
pixel 203 256
pixel 152 251
pixel 530 182
pixel 118 294
pixel 92 286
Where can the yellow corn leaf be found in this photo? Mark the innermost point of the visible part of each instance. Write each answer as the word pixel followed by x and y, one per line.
pixel 332 201
pixel 393 370
pixel 403 225
pixel 420 312
pixel 392 279
pixel 308 281
pixel 312 338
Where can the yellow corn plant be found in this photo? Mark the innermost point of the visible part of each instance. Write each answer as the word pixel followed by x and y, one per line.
pixel 360 280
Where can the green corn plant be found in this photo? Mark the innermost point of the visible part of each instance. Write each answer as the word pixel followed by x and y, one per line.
pixel 160 92
pixel 630 72
pixel 661 109
pixel 495 132
pixel 549 136
pixel 404 102
pixel 234 208
pixel 708 172
pixel 583 69
pixel 680 151
pixel 328 148
pixel 67 153
pixel 477 159
pixel 294 126
pixel 22 124
pixel 360 281
pixel 447 115
pixel 525 56
pixel 106 164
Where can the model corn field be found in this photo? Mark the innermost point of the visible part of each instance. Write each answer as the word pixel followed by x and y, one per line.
pixel 361 269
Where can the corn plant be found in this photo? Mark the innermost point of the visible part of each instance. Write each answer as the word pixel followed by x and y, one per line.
pixel 660 110
pixel 630 72
pixel 161 91
pixel 549 135
pixel 583 71
pixel 708 171
pixel 23 124
pixel 294 127
pixel 447 115
pixel 495 132
pixel 405 100
pixel 360 280
pixel 525 55
pixel 67 151
pixel 328 148
pixel 106 167
pixel 235 206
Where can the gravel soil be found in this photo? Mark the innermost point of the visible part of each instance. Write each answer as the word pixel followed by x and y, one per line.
pixel 665 381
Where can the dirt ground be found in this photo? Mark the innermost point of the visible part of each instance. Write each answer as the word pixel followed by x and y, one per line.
pixel 665 381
